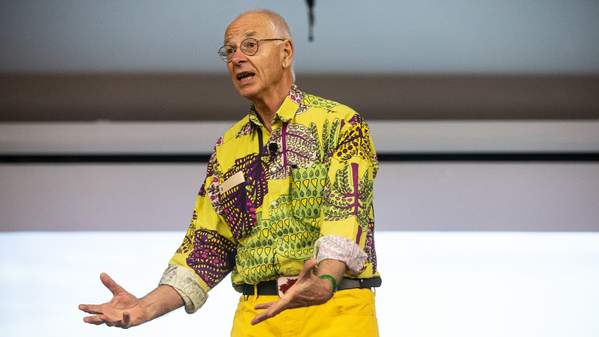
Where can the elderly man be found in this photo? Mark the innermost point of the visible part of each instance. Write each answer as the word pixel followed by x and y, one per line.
pixel 286 206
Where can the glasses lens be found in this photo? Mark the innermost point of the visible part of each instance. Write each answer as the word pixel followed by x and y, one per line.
pixel 225 52
pixel 249 46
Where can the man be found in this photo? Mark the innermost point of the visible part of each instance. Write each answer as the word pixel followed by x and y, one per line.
pixel 286 206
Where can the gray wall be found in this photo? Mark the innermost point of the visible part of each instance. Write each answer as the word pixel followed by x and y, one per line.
pixel 438 36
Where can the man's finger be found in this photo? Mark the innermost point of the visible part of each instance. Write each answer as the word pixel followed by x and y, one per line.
pixel 126 320
pixel 93 320
pixel 118 324
pixel 274 309
pixel 308 266
pixel 266 315
pixel 264 305
pixel 259 318
pixel 90 308
pixel 110 284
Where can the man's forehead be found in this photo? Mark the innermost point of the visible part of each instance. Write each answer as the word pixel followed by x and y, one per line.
pixel 248 26
pixel 233 33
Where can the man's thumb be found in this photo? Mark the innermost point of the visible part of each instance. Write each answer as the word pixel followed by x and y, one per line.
pixel 308 266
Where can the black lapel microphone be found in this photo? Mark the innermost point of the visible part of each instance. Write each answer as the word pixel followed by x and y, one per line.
pixel 273 148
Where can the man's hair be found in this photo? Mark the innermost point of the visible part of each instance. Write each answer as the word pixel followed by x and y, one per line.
pixel 279 25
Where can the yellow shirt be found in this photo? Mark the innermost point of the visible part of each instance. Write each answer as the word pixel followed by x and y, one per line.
pixel 268 197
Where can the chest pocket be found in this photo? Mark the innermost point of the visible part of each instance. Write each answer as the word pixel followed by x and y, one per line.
pixel 307 185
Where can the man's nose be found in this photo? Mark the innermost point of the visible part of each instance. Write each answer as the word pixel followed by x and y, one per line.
pixel 238 56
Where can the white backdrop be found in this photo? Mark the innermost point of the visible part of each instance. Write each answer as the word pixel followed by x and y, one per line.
pixel 434 284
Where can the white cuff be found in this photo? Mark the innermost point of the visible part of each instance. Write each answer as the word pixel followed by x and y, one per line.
pixel 342 249
pixel 184 282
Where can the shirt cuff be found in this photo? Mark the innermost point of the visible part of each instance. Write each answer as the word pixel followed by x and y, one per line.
pixel 342 249
pixel 184 282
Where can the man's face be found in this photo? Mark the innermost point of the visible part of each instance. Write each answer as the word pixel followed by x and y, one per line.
pixel 255 75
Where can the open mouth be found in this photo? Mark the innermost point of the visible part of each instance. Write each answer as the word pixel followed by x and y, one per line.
pixel 245 75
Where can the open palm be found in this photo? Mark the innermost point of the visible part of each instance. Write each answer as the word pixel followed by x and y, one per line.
pixel 123 310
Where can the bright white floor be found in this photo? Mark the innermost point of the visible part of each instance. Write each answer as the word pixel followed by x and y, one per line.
pixel 457 284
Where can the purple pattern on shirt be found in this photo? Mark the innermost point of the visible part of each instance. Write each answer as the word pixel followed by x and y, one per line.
pixel 238 205
pixel 369 246
pixel 245 130
pixel 295 94
pixel 355 194
pixel 212 167
pixel 299 147
pixel 354 140
pixel 212 257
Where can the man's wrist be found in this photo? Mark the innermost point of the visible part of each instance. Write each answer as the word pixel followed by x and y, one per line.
pixel 331 280
pixel 159 302
pixel 148 310
pixel 332 267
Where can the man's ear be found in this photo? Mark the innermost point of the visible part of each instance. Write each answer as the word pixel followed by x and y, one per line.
pixel 287 54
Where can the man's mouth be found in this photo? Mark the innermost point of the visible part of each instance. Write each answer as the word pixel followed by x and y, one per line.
pixel 245 75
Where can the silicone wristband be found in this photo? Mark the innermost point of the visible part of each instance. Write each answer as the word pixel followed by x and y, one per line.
pixel 330 278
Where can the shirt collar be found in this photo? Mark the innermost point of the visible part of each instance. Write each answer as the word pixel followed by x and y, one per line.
pixel 291 105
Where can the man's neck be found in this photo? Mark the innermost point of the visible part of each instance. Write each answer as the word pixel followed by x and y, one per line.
pixel 268 105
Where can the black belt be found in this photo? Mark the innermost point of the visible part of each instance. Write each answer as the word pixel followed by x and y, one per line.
pixel 270 287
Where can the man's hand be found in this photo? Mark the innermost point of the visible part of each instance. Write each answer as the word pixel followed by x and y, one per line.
pixel 124 310
pixel 308 290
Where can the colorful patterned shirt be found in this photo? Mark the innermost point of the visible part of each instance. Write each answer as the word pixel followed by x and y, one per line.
pixel 269 196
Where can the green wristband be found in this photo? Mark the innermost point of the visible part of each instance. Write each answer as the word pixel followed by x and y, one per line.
pixel 330 278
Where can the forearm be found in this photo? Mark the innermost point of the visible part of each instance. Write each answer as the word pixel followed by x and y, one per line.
pixel 332 267
pixel 160 301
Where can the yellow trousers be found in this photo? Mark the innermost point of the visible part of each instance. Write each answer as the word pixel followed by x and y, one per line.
pixel 349 313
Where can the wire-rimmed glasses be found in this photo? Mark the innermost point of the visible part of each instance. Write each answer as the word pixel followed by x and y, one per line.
pixel 248 46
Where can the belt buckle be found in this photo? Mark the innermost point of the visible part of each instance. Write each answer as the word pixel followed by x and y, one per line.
pixel 284 283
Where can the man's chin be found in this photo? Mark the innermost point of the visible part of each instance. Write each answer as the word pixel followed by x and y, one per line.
pixel 247 91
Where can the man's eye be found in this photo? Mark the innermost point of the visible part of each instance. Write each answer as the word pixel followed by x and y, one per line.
pixel 250 44
pixel 229 51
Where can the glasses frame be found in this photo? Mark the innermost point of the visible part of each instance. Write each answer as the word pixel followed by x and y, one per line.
pixel 227 58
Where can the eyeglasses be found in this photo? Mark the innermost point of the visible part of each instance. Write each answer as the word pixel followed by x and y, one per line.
pixel 248 46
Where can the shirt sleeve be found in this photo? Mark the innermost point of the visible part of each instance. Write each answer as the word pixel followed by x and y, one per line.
pixel 347 206
pixel 207 252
